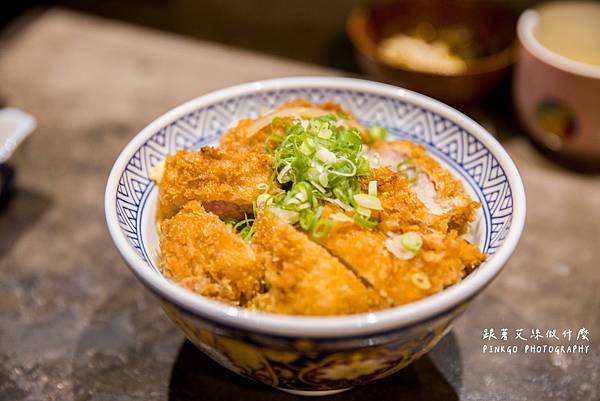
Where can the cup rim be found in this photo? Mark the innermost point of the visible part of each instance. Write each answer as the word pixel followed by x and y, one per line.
pixel 305 326
pixel 526 25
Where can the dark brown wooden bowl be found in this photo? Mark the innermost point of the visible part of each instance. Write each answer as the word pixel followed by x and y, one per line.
pixel 492 28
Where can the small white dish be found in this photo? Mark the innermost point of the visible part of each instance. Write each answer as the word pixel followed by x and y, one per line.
pixel 15 126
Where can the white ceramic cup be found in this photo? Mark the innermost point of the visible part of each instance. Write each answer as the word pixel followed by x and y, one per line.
pixel 557 80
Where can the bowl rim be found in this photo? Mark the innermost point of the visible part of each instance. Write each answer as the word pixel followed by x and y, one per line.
pixel 305 326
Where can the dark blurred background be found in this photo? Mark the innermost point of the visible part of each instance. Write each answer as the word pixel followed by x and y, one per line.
pixel 306 30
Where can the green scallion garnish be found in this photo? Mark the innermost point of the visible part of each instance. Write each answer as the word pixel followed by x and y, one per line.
pixel 377 134
pixel 319 160
pixel 245 228
pixel 411 241
pixel 364 221
pixel 322 228
pixel 409 169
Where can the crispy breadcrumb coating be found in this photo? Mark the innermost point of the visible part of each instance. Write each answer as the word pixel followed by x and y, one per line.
pixel 402 209
pixel 238 137
pixel 443 260
pixel 302 278
pixel 442 194
pixel 202 253
pixel 226 181
pixel 285 270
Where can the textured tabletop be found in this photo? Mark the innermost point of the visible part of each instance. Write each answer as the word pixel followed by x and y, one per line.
pixel 76 325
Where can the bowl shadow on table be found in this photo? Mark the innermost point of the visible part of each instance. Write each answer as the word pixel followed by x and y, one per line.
pixel 24 208
pixel 436 376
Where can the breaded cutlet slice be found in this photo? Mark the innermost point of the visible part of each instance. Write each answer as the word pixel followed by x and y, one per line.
pixel 202 253
pixel 225 181
pixel 442 261
pixel 402 208
pixel 244 134
pixel 302 278
pixel 238 137
pixel 442 194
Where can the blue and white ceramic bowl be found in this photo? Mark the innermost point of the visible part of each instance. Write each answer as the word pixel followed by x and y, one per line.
pixel 317 355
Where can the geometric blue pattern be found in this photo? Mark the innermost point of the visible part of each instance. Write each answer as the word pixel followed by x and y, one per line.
pixel 447 140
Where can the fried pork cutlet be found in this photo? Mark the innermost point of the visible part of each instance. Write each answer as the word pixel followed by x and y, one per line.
pixel 239 137
pixel 351 269
pixel 402 208
pixel 302 278
pixel 253 135
pixel 442 261
pixel 226 181
pixel 441 193
pixel 202 253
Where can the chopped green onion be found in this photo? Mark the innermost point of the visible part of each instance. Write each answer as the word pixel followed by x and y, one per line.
pixel 343 115
pixel 364 221
pixel 263 186
pixel 318 186
pixel 341 217
pixel 243 222
pixel 409 170
pixel 322 228
pixel 411 241
pixel 247 232
pixel 300 197
pixel 368 201
pixel 421 280
pixel 304 206
pixel 341 171
pixel 302 187
pixel 318 160
pixel 323 179
pixel 325 133
pixel 373 188
pixel 245 227
pixel 289 216
pixel 306 219
pixel 306 148
pixel 326 156
pixel 363 167
pixel 404 246
pixel 392 244
pixel 341 195
pixel 262 198
pixel 281 176
pixel 341 204
pixel 363 211
pixel 377 134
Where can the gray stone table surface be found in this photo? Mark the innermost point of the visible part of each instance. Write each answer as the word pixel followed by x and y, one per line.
pixel 76 325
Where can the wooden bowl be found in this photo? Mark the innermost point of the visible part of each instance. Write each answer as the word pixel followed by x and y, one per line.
pixel 492 30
